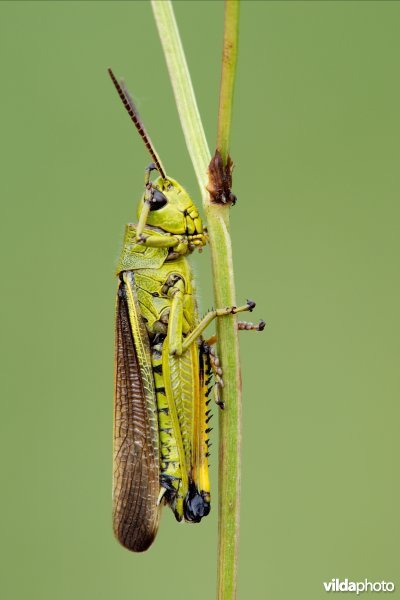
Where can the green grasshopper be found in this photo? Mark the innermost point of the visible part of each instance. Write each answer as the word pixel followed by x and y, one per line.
pixel 163 366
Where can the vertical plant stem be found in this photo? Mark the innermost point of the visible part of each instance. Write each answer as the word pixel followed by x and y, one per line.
pixel 217 216
pixel 183 90
pixel 229 59
pixel 231 418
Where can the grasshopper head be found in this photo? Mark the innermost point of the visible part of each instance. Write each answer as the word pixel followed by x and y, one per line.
pixel 171 208
pixel 165 203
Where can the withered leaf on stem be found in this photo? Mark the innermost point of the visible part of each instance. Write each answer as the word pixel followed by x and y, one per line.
pixel 220 180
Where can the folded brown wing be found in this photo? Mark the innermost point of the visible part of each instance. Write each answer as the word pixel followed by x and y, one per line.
pixel 136 454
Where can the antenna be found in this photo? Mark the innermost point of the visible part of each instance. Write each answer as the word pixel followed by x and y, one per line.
pixel 134 115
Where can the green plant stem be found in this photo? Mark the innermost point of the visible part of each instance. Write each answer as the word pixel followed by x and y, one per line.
pixel 229 59
pixel 217 216
pixel 183 90
pixel 231 418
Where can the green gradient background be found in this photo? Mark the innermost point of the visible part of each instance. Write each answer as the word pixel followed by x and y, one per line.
pixel 316 243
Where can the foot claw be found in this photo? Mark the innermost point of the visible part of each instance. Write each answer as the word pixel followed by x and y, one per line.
pixel 251 304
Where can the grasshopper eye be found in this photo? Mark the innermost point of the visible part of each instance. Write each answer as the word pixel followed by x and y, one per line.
pixel 158 200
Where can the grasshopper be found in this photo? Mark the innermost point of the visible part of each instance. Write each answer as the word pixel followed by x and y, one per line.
pixel 163 366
